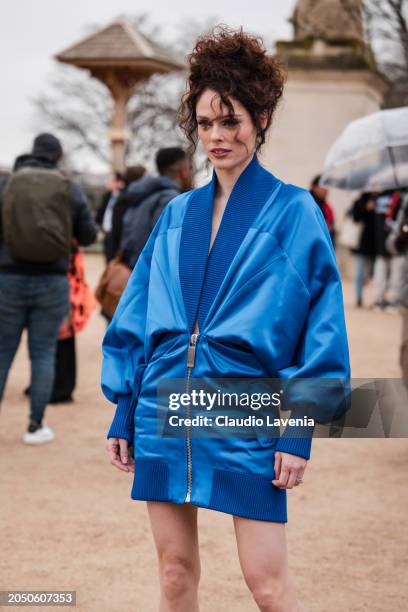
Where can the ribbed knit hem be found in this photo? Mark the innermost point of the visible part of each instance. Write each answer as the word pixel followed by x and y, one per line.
pixel 122 425
pixel 295 442
pixel 248 495
pixel 238 493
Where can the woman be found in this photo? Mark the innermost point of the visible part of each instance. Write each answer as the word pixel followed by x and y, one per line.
pixel 238 279
pixel 320 194
pixel 363 212
pixel 83 303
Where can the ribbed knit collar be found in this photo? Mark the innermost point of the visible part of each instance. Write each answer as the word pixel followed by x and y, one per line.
pixel 201 274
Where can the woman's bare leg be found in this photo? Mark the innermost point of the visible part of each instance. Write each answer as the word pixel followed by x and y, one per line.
pixel 174 529
pixel 264 563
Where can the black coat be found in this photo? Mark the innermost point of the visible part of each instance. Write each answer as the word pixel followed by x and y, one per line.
pixel 367 245
pixel 139 208
pixel 100 213
pixel 109 245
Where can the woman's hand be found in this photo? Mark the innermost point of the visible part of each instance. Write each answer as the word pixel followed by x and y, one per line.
pixel 118 452
pixel 289 470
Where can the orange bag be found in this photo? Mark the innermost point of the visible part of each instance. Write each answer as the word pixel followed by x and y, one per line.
pixel 82 299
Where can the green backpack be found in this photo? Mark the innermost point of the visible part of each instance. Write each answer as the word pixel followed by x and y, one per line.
pixel 37 215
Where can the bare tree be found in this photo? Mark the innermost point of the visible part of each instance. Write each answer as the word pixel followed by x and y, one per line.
pixel 387 32
pixel 78 107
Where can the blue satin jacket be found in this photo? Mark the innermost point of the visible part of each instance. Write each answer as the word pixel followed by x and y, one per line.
pixel 268 302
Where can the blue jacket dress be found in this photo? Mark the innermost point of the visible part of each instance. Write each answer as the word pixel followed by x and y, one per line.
pixel 268 301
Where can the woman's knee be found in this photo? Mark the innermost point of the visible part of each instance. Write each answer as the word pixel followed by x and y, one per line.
pixel 269 593
pixel 178 575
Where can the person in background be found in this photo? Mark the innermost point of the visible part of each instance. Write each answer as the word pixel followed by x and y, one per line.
pixel 363 212
pixel 115 276
pixel 83 303
pixel 387 268
pixel 34 290
pixel 148 197
pixel 320 194
pixel 132 175
pixel 397 245
pixel 105 211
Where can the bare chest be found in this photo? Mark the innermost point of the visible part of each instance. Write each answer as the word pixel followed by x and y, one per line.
pixel 218 211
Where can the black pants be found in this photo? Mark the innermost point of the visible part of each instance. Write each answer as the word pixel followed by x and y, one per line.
pixel 65 370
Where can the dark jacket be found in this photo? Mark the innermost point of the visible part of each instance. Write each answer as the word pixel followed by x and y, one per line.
pixel 360 214
pixel 100 213
pixel 121 205
pixel 109 241
pixel 84 229
pixel 384 206
pixel 145 200
pixel 397 248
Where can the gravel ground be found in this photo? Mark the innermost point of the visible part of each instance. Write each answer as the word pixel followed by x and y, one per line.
pixel 67 521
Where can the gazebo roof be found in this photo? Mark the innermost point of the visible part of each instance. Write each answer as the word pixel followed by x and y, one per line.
pixel 119 45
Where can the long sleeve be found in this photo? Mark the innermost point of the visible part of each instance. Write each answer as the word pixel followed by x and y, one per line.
pixel 123 346
pixel 322 350
pixel 359 211
pixel 102 208
pixel 84 228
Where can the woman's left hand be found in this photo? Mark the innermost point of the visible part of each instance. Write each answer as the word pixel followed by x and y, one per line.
pixel 289 470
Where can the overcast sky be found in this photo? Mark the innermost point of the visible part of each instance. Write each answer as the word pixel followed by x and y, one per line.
pixel 31 32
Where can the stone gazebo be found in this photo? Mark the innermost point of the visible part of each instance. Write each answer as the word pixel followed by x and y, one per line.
pixel 120 57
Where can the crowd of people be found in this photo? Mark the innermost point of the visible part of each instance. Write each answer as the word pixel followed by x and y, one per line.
pixel 379 244
pixel 382 254
pixel 376 214
pixel 45 219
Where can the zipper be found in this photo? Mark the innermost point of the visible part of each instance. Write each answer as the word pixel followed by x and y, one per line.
pixel 190 365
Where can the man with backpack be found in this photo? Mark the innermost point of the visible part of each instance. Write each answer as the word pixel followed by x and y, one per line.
pixel 40 213
pixel 147 197
pixel 137 209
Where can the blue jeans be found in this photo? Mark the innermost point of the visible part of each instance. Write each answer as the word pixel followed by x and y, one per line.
pixel 40 304
pixel 363 270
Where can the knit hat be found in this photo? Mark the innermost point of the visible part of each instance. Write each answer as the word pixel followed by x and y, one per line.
pixel 47 146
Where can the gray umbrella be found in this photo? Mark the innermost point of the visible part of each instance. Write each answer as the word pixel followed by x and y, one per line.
pixel 371 154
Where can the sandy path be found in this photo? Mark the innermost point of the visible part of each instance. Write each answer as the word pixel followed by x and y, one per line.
pixel 67 521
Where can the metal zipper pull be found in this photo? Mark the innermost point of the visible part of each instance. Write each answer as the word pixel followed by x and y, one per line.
pixel 192 351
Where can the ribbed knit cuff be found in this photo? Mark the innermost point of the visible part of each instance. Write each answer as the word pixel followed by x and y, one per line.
pixel 122 425
pixel 293 445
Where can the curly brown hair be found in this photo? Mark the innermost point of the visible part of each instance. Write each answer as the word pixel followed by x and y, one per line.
pixel 234 64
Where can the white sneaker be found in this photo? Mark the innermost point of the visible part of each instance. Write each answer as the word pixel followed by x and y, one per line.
pixel 41 436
